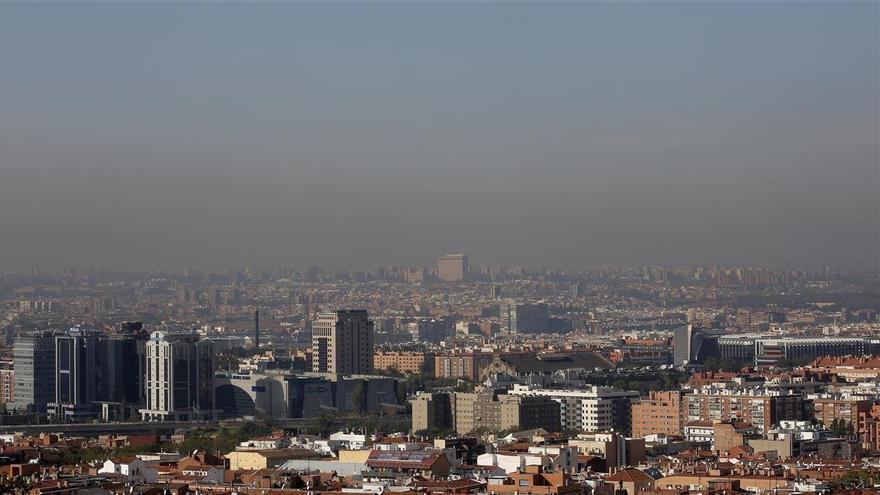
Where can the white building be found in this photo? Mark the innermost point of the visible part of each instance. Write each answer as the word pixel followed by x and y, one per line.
pixel 179 378
pixel 513 461
pixel 700 431
pixel 350 441
pixel 590 409
pixel 133 468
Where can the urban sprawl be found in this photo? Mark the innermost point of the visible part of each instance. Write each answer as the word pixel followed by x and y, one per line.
pixel 447 379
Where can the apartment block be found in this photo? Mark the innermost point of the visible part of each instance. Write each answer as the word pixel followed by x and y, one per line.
pixel 402 361
pixel 591 409
pixel 467 366
pixel 754 406
pixel 494 412
pixel 661 412
pixel 431 411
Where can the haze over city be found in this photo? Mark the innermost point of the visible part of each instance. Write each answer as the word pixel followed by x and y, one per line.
pixel 429 248
pixel 169 136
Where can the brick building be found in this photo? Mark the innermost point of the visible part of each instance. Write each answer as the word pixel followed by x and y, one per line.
pixel 403 361
pixel 661 412
pixel 753 406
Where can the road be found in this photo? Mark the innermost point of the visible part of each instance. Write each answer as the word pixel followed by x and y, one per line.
pixel 391 423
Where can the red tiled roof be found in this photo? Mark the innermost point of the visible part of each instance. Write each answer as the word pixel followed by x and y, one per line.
pixel 630 475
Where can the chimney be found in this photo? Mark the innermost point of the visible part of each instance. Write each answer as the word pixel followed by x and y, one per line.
pixel 257 329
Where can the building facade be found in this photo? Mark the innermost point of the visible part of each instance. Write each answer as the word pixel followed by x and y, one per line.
pixel 523 318
pixel 342 343
pixel 754 406
pixel 179 378
pixel 468 366
pixel 402 361
pixel 660 413
pixel 7 382
pixel 431 411
pixel 593 409
pixel 34 361
pixel 452 267
pixel 493 412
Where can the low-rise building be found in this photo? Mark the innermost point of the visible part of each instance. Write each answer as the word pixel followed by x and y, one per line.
pixel 403 361
pixel 263 459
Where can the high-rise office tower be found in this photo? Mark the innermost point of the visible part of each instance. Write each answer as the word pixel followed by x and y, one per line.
pixel 523 318
pixel 34 362
pixel 92 369
pixel 342 342
pixel 452 267
pixel 120 363
pixel 179 378
pixel 75 375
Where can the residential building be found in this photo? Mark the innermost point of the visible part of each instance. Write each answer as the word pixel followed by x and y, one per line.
pixel 133 469
pixel 533 480
pixel 423 463
pixel 468 366
pixel 661 412
pixel 266 459
pixel 493 412
pixel 402 361
pixel 760 407
pixel 831 409
pixel 630 481
pixel 614 448
pixel 592 409
pixel 7 382
pixel 431 411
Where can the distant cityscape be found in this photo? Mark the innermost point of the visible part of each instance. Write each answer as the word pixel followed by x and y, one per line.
pixel 451 378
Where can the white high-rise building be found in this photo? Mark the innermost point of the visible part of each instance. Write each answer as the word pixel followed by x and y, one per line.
pixel 342 343
pixel 593 409
pixel 179 378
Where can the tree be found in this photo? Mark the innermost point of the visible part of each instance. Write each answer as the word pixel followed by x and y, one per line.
pixel 357 398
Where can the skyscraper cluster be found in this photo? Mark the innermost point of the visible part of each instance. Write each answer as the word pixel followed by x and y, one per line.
pixel 81 374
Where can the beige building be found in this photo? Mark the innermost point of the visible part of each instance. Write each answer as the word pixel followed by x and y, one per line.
pixel 357 456
pixel 342 343
pixel 264 459
pixel 485 410
pixel 452 267
pixel 431 411
pixel 468 366
pixel 402 361
pixel 661 412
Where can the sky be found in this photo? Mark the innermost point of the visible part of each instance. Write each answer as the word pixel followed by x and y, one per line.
pixel 143 136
